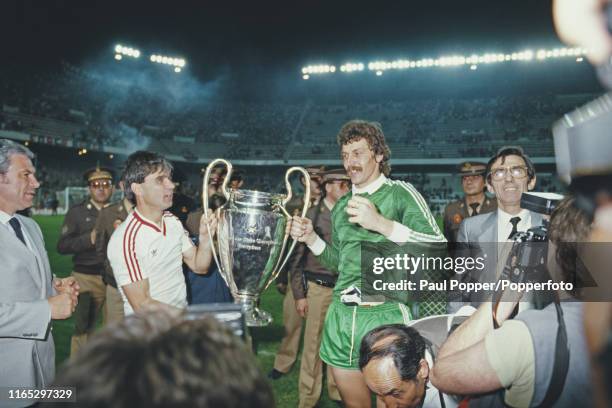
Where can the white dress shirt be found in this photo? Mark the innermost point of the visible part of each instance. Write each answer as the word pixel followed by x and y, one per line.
pixel 4 220
pixel 504 226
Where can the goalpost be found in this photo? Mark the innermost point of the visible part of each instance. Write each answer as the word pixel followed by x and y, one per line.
pixel 70 196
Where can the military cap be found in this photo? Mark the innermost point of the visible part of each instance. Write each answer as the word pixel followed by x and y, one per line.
pixel 472 168
pixel 335 174
pixel 98 173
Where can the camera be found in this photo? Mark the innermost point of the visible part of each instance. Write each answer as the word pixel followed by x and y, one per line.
pixel 527 259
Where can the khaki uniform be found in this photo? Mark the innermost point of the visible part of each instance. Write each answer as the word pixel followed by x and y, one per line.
pixel 457 211
pixel 292 322
pixel 88 266
pixel 318 293
pixel 108 220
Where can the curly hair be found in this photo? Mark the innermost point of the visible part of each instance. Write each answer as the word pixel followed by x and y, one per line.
pixel 569 226
pixel 356 130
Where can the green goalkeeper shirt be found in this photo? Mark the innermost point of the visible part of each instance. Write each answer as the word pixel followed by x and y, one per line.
pixel 395 200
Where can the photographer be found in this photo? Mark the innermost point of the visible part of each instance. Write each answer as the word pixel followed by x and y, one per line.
pixel 523 363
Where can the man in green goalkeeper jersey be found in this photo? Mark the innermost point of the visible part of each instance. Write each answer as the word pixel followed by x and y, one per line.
pixel 376 210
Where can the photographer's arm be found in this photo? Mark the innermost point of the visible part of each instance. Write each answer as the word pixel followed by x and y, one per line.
pixel 462 365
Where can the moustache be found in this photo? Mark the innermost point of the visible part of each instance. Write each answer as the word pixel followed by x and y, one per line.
pixel 356 168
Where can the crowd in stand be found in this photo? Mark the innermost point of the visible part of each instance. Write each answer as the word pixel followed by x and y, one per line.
pixel 112 112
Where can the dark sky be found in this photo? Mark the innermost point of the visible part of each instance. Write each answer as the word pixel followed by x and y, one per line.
pixel 285 34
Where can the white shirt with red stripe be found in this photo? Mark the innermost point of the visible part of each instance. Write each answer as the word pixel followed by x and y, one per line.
pixel 139 249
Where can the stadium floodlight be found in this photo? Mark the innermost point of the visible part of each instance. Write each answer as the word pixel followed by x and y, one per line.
pixel 379 73
pixel 174 62
pixel 579 59
pixel 472 61
pixel 177 69
pixel 118 57
pixel 306 77
pixel 124 51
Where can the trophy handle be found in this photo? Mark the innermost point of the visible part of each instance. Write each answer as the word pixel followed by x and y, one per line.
pixel 205 200
pixel 302 170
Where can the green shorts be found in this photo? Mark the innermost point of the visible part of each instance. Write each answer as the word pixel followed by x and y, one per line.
pixel 345 326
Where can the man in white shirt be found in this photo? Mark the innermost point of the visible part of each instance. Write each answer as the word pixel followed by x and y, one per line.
pixel 147 250
pixel 509 174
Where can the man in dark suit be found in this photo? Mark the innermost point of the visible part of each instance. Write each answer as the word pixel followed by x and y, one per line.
pixel 29 299
pixel 509 174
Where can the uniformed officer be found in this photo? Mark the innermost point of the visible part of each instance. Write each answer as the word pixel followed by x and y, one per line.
pixel 78 239
pixel 108 220
pixel 474 202
pixel 312 286
pixel 288 350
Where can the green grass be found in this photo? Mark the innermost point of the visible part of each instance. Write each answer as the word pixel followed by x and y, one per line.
pixel 267 339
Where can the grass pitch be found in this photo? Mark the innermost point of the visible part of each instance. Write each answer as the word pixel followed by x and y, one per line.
pixel 267 339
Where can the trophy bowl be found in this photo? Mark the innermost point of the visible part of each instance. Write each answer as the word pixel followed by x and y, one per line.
pixel 250 247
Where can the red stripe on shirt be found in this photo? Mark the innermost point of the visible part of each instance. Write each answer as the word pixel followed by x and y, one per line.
pixel 126 249
pixel 147 223
pixel 138 271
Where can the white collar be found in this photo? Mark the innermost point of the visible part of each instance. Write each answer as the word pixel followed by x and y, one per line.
pixel 328 204
pixel 372 187
pixel 5 218
pixel 504 218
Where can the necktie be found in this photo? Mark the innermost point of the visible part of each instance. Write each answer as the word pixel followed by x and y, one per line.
pixel 514 221
pixel 474 207
pixel 17 228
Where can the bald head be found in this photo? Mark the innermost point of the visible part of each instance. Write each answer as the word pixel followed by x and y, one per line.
pixel 392 360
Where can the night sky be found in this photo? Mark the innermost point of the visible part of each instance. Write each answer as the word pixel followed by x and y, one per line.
pixel 281 35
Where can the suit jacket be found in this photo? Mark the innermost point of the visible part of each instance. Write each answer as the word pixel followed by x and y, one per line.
pixel 457 211
pixel 27 352
pixel 480 235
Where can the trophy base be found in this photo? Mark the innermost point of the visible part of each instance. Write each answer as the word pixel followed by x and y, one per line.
pixel 254 316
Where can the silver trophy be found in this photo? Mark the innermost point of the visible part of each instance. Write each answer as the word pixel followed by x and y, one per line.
pixel 251 244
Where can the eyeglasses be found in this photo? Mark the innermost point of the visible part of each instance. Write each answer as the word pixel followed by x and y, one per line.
pixel 517 172
pixel 101 184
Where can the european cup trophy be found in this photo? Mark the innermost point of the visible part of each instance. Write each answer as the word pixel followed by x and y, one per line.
pixel 251 245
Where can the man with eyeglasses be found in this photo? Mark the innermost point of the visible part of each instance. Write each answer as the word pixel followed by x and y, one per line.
pixel 509 174
pixel 78 239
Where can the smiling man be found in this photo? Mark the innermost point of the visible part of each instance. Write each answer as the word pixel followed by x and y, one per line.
pixel 29 297
pixel 377 210
pixel 509 174
pixel 148 249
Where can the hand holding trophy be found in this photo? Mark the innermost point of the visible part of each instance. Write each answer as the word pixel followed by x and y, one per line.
pixel 252 235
